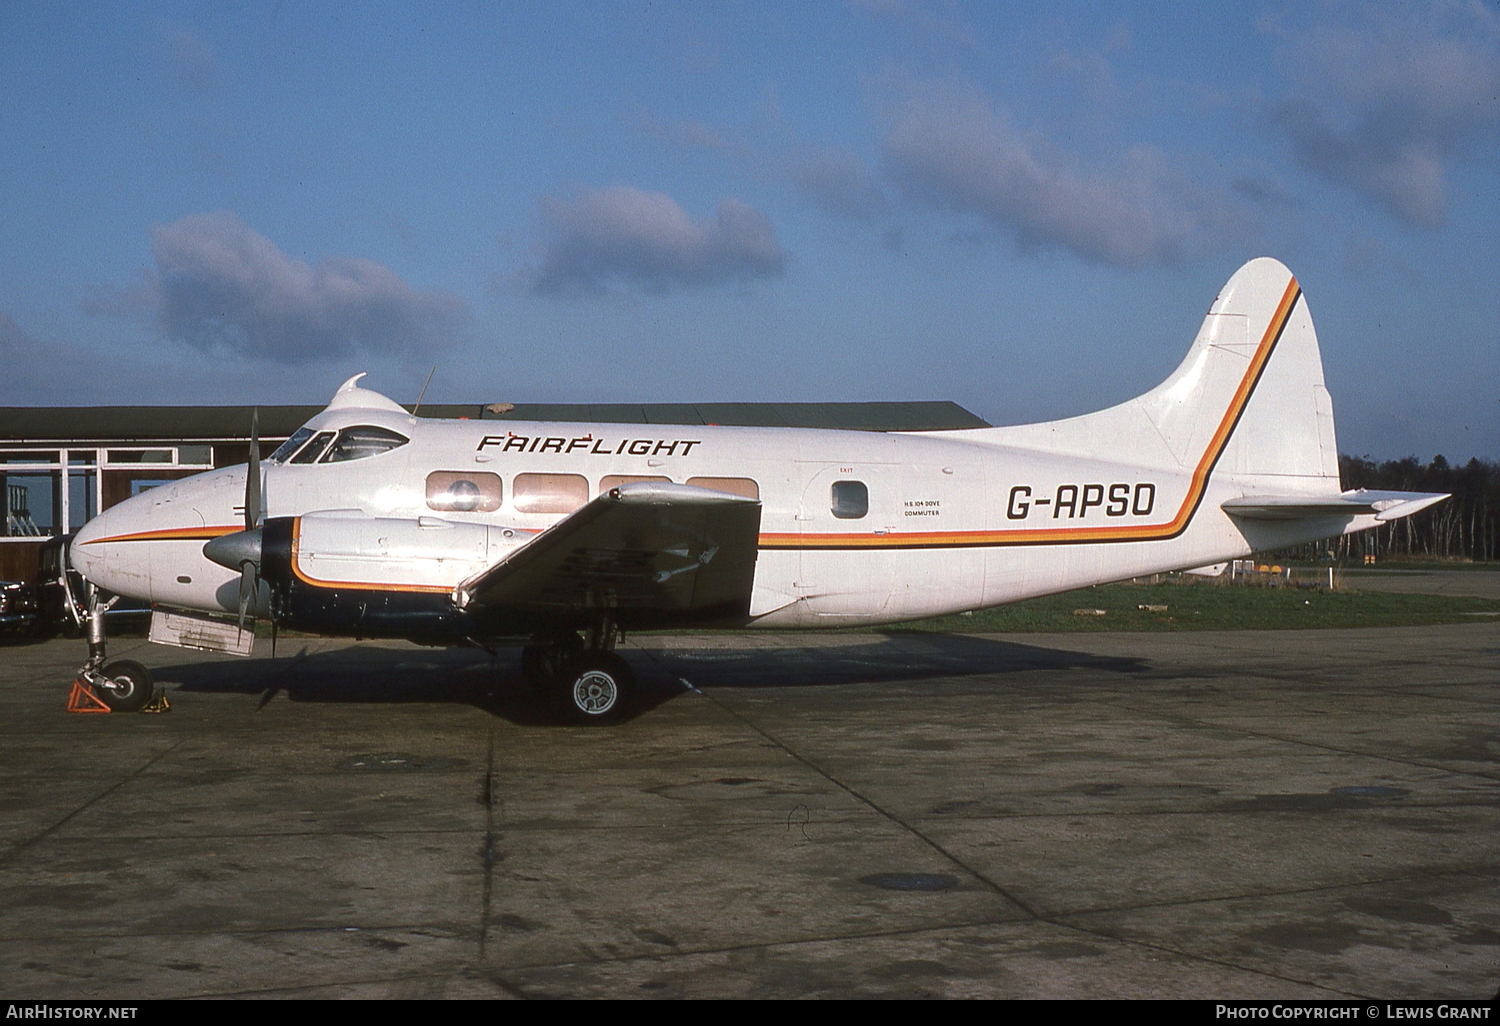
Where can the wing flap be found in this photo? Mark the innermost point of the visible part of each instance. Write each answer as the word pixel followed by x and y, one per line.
pixel 640 549
pixel 1361 502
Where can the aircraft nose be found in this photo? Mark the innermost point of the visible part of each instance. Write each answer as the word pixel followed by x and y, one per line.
pixel 114 550
pixel 88 550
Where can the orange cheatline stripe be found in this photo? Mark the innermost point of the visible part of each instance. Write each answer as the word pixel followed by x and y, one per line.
pixel 435 589
pixel 170 534
pixel 1197 486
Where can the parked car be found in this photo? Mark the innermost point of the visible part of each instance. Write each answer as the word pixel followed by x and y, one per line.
pixel 18 612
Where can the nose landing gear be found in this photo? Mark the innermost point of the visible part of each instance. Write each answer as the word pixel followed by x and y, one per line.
pixel 588 682
pixel 123 685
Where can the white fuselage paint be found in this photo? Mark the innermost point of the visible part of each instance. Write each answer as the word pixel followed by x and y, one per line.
pixel 945 529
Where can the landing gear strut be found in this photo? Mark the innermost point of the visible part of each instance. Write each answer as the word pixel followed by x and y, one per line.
pixel 590 683
pixel 124 685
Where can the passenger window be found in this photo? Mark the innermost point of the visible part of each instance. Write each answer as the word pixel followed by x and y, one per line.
pixel 464 492
pixel 733 485
pixel 851 500
pixel 616 480
pixel 290 446
pixel 314 449
pixel 357 443
pixel 549 493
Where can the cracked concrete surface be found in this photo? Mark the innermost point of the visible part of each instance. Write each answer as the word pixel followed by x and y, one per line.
pixel 1246 814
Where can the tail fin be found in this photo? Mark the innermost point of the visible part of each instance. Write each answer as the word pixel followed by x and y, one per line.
pixel 1248 400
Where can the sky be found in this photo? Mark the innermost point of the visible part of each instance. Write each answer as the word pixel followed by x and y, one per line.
pixel 1024 208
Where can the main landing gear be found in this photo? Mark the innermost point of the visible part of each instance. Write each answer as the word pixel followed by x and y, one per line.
pixel 124 685
pixel 587 680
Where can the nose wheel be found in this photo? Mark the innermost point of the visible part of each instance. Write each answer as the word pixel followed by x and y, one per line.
pixel 123 685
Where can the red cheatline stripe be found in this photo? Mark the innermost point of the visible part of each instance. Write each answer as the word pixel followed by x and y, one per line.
pixel 1073 535
pixel 170 534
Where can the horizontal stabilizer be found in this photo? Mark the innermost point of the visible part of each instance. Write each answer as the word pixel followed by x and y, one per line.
pixel 1361 502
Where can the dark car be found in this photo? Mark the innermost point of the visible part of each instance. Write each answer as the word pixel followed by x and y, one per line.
pixel 18 612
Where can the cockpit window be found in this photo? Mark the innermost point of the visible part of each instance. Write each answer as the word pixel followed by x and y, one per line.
pixel 357 443
pixel 290 446
pixel 312 450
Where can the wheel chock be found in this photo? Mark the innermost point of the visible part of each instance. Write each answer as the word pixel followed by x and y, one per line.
pixel 83 700
pixel 158 703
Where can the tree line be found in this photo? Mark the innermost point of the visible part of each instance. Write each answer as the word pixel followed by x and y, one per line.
pixel 1466 526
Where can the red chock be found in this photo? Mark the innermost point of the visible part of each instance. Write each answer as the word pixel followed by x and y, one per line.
pixel 83 700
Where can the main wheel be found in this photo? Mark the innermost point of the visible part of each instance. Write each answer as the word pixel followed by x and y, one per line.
pixel 127 686
pixel 598 687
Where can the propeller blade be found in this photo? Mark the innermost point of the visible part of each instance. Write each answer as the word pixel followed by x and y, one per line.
pixel 248 585
pixel 252 474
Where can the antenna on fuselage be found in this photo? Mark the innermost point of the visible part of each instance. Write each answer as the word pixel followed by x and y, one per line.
pixel 420 394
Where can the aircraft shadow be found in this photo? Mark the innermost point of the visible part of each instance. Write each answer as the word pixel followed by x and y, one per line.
pixel 367 674
pixel 884 658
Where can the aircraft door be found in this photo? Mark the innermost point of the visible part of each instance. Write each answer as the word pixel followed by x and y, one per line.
pixel 844 573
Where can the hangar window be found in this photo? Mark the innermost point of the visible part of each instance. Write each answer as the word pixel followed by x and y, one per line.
pixel 56 493
pixel 616 480
pixel 549 493
pixel 291 445
pixel 464 492
pixel 850 500
pixel 733 485
pixel 312 450
pixel 357 443
pixel 140 456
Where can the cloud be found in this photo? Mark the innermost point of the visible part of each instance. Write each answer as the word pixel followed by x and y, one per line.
pixel 1389 103
pixel 834 179
pixel 624 235
pixel 190 58
pixel 15 344
pixel 948 148
pixel 218 285
pixel 909 14
pixel 35 371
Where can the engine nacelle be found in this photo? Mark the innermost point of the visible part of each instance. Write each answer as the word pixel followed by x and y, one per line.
pixel 350 573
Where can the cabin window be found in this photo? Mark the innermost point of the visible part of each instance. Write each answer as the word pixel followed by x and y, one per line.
pixel 733 485
pixel 291 445
pixel 312 450
pixel 464 492
pixel 357 443
pixel 616 480
pixel 851 500
pixel 549 493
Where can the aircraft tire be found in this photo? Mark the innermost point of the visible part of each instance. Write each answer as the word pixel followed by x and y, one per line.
pixel 598 687
pixel 133 686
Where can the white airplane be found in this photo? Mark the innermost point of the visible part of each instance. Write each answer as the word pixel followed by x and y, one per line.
pixel 372 522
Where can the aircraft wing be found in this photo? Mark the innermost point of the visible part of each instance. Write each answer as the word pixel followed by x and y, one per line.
pixel 1362 502
pixel 642 548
